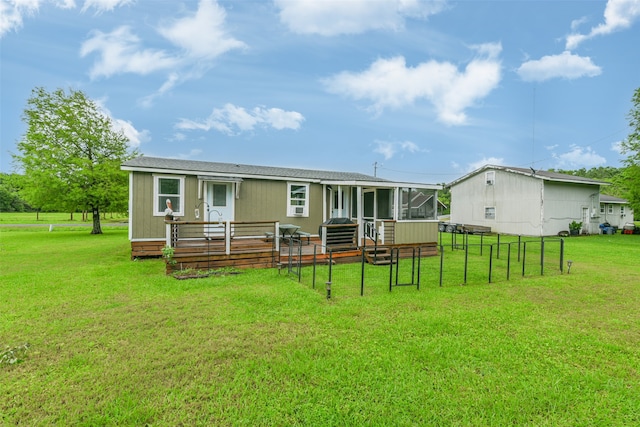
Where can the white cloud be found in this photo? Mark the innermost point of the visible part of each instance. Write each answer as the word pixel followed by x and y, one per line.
pixel 135 136
pixel 330 18
pixel 498 161
pixel 199 38
pixel 566 65
pixel 390 83
pixel 120 52
pixel 202 33
pixel 232 120
pixel 617 147
pixel 104 5
pixel 12 12
pixel 578 157
pixel 618 15
pixel 388 149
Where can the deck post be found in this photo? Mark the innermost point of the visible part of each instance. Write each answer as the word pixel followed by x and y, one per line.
pixel 167 234
pixel 227 237
pixel 324 239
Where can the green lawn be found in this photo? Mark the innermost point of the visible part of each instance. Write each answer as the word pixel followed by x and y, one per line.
pixel 116 342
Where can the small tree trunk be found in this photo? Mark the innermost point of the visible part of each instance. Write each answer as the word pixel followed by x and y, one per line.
pixel 96 221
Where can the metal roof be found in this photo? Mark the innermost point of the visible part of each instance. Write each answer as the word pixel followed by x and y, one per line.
pixel 232 169
pixel 605 198
pixel 538 174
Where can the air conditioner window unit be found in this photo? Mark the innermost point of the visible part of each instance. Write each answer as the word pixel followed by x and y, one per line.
pixel 299 210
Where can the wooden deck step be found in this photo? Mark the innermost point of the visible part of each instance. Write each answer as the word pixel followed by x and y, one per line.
pixel 378 255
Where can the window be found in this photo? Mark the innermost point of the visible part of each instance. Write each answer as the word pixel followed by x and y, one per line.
pixel 417 203
pixel 490 212
pixel 384 203
pixel 602 208
pixel 297 199
pixel 610 209
pixel 490 177
pixel 621 210
pixel 166 187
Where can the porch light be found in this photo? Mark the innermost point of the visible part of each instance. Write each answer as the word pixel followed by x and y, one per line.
pixel 569 262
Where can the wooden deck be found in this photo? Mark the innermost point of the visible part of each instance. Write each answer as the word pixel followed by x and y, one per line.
pixel 253 245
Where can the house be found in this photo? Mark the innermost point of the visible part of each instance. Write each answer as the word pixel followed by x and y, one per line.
pixel 524 201
pixel 615 211
pixel 419 204
pixel 219 198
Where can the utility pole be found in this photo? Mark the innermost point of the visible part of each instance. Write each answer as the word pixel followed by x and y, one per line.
pixel 375 169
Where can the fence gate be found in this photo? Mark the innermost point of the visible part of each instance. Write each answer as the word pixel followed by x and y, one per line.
pixel 415 268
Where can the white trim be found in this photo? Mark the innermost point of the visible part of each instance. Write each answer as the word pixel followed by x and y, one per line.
pixel 181 195
pixel 295 211
pixel 490 177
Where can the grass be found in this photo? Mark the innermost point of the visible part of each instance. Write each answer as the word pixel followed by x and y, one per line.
pixel 116 342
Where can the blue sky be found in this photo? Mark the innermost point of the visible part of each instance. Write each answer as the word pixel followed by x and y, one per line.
pixel 424 90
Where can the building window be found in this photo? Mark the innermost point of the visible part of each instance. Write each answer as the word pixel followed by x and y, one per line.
pixel 297 199
pixel 490 212
pixel 610 209
pixel 490 177
pixel 602 208
pixel 166 187
pixel 621 210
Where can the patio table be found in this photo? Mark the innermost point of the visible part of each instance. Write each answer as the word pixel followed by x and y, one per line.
pixel 288 230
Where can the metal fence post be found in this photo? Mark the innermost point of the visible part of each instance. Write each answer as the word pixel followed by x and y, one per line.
pixel 542 256
pixel 466 261
pixel 441 263
pixel 561 255
pixel 490 261
pixel 362 274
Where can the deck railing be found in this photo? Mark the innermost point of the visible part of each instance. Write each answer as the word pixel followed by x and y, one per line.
pixel 223 237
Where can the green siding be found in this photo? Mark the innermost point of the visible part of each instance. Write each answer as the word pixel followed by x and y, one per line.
pixel 259 200
pixel 262 200
pixel 416 232
pixel 144 224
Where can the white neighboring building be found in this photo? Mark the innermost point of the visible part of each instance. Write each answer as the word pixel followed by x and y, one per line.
pixel 527 202
pixel 615 211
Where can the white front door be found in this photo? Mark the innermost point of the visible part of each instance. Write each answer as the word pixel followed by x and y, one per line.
pixel 219 197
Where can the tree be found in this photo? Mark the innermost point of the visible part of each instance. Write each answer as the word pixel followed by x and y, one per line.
pixel 10 200
pixel 71 154
pixel 631 147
